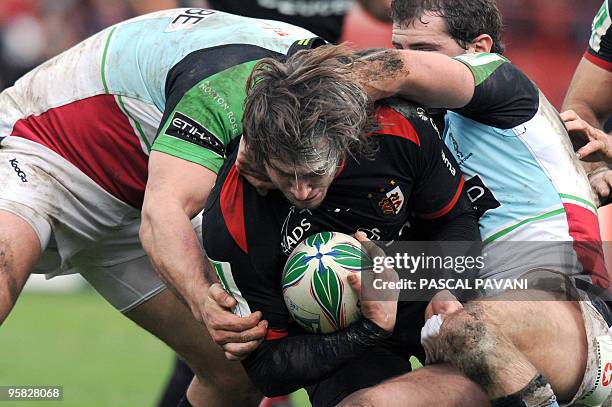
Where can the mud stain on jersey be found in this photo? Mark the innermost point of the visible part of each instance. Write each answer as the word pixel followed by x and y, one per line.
pixel 550 115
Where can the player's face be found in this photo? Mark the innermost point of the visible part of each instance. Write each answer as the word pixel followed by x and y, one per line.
pixel 303 187
pixel 428 33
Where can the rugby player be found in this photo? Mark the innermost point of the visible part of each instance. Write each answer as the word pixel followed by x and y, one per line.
pixel 304 124
pixel 159 94
pixel 589 103
pixel 513 148
pixel 506 117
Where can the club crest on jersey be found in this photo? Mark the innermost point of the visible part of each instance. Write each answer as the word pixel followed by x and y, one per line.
pixel 392 202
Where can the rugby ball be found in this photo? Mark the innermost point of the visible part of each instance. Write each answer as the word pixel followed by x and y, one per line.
pixel 314 283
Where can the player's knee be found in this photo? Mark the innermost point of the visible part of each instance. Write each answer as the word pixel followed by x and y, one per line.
pixel 19 250
pixel 461 330
pixel 13 276
pixel 465 333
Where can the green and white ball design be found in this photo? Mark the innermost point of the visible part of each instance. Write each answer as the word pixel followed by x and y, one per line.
pixel 314 282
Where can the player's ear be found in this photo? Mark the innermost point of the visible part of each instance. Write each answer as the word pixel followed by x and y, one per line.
pixel 482 43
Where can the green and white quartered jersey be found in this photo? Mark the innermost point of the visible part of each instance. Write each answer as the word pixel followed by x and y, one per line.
pixel 599 51
pixel 521 173
pixel 206 57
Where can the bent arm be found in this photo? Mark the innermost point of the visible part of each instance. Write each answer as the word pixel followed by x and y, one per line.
pixel 176 191
pixel 431 79
pixel 589 103
pixel 285 365
pixel 590 93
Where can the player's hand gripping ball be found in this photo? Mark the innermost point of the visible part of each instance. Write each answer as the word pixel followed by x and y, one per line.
pixel 315 285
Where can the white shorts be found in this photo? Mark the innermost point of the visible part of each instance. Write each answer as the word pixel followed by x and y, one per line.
pixel 596 386
pixel 81 227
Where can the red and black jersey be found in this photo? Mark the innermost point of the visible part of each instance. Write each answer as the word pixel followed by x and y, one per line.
pixel 412 175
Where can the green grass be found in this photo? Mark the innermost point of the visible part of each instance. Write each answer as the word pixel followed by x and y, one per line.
pixel 80 342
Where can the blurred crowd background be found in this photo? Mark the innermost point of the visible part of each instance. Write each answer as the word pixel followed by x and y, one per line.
pixel 545 38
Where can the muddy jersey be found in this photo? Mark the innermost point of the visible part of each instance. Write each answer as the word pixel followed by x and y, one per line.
pixel 600 44
pixel 171 81
pixel 521 172
pixel 249 237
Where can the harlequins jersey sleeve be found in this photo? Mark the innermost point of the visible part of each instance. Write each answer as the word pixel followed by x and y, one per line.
pixel 205 93
pixel 504 97
pixel 600 44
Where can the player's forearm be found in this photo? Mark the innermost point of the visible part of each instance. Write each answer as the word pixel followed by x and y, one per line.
pixel 589 94
pixel 427 78
pixel 176 191
pixel 168 237
pixel 285 365
pixel 585 111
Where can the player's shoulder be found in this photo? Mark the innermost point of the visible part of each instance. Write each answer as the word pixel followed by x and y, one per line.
pixel 486 66
pixel 504 96
pixel 481 58
pixel 601 21
pixel 599 51
pixel 189 29
pixel 403 107
pixel 404 119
